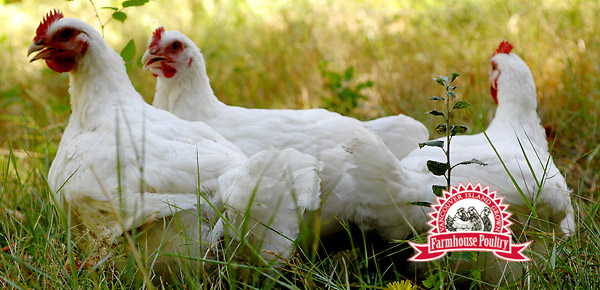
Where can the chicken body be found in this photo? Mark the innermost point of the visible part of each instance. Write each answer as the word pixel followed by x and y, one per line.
pixel 517 136
pixel 361 180
pixel 123 164
pixel 515 143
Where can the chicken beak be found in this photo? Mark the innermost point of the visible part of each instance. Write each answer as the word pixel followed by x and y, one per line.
pixel 147 56
pixel 44 53
pixel 151 58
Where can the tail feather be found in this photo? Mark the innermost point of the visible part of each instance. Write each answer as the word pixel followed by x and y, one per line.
pixel 267 197
pixel 567 225
pixel 400 133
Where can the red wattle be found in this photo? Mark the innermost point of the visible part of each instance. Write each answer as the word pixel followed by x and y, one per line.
pixel 168 71
pixel 62 61
pixel 60 67
pixel 494 91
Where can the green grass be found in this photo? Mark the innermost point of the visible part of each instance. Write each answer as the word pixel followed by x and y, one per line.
pixel 268 55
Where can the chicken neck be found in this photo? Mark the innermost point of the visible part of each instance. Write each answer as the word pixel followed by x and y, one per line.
pixel 98 84
pixel 188 93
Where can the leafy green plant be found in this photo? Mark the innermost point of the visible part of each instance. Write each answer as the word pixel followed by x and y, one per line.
pixel 118 13
pixel 345 97
pixel 128 52
pixel 448 130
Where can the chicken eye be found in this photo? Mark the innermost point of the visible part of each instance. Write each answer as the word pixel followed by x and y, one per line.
pixel 494 66
pixel 66 34
pixel 176 45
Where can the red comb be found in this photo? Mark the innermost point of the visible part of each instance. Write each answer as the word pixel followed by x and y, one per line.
pixel 504 47
pixel 50 17
pixel 156 35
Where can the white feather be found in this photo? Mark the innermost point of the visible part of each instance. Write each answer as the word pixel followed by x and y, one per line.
pixel 270 216
pixel 400 133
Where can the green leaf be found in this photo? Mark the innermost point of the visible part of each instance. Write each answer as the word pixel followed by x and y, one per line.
pixel 438 189
pixel 434 98
pixel 109 7
pixel 120 16
pixel 131 3
pixel 138 62
pixel 128 52
pixel 453 76
pixel 366 84
pixel 461 105
pixel 435 143
pixel 420 203
pixel 451 94
pixel 437 168
pixel 334 80
pixel 553 258
pixel 457 130
pixel 474 256
pixel 476 274
pixel 460 256
pixel 472 161
pixel 435 113
pixel 441 129
pixel 440 81
pixel 432 281
pixel 349 73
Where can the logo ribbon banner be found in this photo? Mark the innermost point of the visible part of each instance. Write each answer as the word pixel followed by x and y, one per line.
pixel 501 245
pixel 469 218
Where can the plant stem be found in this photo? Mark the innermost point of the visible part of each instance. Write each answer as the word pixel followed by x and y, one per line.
pixel 98 17
pixel 448 137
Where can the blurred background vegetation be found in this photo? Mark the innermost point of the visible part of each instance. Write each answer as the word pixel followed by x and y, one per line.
pixel 296 54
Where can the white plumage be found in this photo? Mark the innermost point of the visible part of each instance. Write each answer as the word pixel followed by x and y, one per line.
pixel 520 140
pixel 123 164
pixel 183 88
pixel 361 181
pixel 400 133
pixel 280 212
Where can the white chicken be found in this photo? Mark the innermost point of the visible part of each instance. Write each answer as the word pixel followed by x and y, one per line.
pixel 183 88
pixel 123 164
pixel 520 141
pixel 361 182
pixel 517 144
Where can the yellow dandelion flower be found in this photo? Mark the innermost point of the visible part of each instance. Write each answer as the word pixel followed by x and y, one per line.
pixel 404 285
